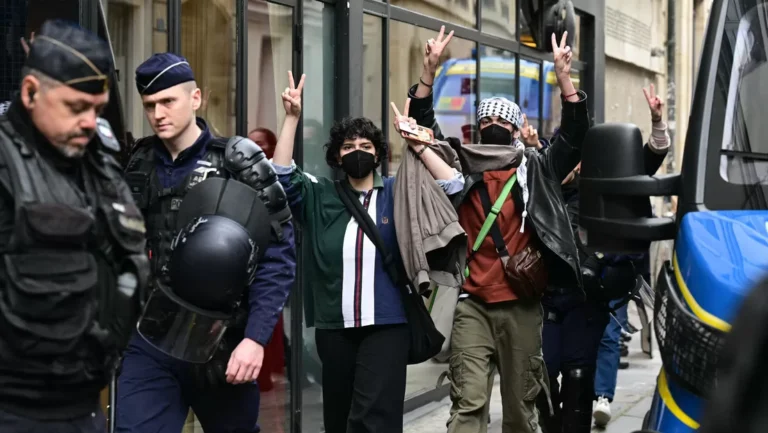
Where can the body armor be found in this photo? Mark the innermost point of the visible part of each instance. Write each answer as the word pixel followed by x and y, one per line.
pixel 234 158
pixel 72 271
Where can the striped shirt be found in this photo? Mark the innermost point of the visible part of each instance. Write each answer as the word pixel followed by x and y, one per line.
pixel 345 281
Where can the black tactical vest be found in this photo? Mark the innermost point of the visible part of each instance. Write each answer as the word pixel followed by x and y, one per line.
pixel 161 205
pixel 64 317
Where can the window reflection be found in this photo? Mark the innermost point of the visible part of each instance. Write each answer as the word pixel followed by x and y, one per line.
pixel 318 112
pixel 530 73
pixel 499 18
pixel 454 97
pixel 134 38
pixel 372 76
pixel 529 15
pixel 208 41
pixel 552 102
pixel 461 12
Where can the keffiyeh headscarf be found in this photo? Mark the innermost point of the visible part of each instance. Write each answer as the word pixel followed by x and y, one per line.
pixel 509 111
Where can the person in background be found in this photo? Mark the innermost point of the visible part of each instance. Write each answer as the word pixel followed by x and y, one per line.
pixel 609 352
pixel 266 139
pixel 155 388
pixel 362 335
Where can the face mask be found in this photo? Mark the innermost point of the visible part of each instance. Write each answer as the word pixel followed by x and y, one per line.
pixel 495 134
pixel 358 164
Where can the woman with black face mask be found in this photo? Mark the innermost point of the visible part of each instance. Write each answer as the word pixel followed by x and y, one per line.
pixel 361 334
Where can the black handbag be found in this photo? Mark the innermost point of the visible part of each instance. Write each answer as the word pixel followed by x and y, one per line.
pixel 426 340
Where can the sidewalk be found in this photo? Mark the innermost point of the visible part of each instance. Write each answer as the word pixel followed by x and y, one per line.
pixel 633 396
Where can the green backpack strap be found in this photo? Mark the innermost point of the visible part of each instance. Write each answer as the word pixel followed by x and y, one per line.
pixel 490 219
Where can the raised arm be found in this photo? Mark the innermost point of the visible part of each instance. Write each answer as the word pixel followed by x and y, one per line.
pixel 657 147
pixel 565 150
pixel 421 93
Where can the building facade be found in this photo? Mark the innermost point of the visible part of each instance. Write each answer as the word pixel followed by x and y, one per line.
pixel 358 56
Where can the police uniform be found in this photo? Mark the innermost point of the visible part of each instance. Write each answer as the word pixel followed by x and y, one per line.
pixel 73 261
pixel 190 210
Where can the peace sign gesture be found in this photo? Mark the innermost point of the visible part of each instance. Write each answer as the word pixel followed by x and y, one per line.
pixel 654 103
pixel 292 96
pixel 563 55
pixel 529 134
pixel 434 49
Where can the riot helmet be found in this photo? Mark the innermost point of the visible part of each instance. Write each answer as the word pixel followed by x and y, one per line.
pixel 222 231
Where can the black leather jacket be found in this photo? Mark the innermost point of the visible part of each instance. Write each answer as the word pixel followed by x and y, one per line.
pixel 546 171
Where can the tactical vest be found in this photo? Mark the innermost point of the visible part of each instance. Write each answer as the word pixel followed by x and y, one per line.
pixel 62 303
pixel 159 205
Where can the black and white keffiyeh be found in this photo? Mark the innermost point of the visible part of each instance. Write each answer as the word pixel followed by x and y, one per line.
pixel 509 111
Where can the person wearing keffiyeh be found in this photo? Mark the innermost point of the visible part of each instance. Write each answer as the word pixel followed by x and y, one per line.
pixel 497 323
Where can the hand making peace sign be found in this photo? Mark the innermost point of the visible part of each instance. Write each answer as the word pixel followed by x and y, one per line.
pixel 433 49
pixel 292 96
pixel 654 103
pixel 562 54
pixel 529 134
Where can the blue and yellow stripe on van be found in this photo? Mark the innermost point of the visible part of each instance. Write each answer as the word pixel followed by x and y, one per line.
pixel 718 258
pixel 503 67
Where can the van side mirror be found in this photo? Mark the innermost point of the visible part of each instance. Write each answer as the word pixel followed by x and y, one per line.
pixel 614 205
pixel 558 16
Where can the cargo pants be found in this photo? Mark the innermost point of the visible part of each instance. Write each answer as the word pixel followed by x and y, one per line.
pixel 504 335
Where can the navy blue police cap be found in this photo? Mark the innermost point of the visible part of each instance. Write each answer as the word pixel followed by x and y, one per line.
pixel 66 52
pixel 162 71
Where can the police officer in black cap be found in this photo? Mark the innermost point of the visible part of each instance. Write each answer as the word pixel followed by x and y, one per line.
pixel 73 260
pixel 221 246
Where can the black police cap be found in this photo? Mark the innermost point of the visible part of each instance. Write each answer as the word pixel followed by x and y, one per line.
pixel 70 54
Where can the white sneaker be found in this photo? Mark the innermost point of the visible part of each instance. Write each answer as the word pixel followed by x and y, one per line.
pixel 602 412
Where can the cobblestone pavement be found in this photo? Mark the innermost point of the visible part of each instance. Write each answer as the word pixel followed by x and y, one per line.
pixel 633 396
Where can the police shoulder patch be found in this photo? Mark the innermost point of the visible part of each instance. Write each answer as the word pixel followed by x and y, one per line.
pixel 106 135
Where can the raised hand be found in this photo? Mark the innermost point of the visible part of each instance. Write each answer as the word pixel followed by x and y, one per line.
pixel 529 134
pixel 654 103
pixel 433 49
pixel 25 44
pixel 292 96
pixel 403 118
pixel 562 54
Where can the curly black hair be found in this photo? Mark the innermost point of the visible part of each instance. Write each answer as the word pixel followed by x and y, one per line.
pixel 350 128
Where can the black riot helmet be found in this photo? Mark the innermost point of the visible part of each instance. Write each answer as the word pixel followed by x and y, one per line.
pixel 223 230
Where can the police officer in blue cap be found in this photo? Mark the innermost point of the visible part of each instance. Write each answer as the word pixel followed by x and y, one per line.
pixel 72 259
pixel 221 246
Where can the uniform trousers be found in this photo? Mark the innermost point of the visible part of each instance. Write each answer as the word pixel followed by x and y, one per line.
pixel 155 393
pixel 94 423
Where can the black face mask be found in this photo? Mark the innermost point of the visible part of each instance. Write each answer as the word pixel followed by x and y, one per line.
pixel 495 134
pixel 358 164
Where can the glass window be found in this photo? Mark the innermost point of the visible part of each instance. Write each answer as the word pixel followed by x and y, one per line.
pixel 319 88
pixel 530 73
pixel 577 41
pixel 208 41
pixel 454 97
pixel 529 25
pixel 499 18
pixel 19 18
pixel 737 167
pixel 461 12
pixel 134 38
pixel 372 74
pixel 552 103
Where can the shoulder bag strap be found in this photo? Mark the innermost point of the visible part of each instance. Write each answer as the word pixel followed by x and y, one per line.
pixel 491 212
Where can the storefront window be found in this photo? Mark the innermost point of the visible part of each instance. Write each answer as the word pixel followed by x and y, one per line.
pixel 19 18
pixel 454 97
pixel 461 12
pixel 208 41
pixel 372 76
pixel 530 84
pixel 529 15
pixel 499 18
pixel 319 98
pixel 552 104
pixel 134 38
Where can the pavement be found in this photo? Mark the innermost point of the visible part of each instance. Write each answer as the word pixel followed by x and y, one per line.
pixel 634 392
